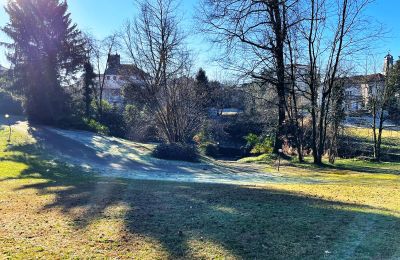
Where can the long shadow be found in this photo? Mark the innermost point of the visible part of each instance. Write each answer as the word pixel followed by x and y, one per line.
pixel 327 168
pixel 247 222
pixel 364 146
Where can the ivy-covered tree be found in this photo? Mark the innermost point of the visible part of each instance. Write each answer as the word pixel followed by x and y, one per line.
pixel 46 50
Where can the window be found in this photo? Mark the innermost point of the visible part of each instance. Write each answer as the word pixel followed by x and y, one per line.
pixel 115 78
pixel 108 77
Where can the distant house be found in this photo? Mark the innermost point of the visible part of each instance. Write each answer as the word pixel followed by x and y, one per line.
pixel 358 89
pixel 117 76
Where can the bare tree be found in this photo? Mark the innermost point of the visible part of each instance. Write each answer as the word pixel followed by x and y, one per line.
pixel 380 95
pixel 334 32
pixel 253 35
pixel 294 93
pixel 156 45
pixel 99 53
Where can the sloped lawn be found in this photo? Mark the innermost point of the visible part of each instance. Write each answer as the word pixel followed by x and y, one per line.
pixel 52 210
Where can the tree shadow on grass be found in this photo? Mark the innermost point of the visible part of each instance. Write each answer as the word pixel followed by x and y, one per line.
pixel 246 222
pixel 376 168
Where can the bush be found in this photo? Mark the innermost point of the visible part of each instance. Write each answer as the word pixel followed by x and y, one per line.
pixel 252 139
pixel 210 149
pixel 257 145
pixel 94 126
pixel 113 119
pixel 262 147
pixel 176 151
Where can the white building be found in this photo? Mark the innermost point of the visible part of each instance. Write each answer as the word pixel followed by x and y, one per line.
pixel 117 76
pixel 358 89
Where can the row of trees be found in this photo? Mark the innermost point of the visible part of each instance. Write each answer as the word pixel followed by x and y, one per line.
pixel 263 43
pixel 47 52
pixel 275 36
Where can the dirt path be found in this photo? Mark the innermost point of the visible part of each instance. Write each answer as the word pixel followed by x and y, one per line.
pixel 114 157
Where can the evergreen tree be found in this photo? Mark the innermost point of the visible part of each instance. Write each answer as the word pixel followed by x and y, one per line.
pixel 46 50
pixel 201 83
pixel 203 89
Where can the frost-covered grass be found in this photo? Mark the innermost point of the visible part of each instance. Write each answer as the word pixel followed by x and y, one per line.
pixel 51 210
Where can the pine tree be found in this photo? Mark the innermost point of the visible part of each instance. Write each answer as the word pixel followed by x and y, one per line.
pixel 202 83
pixel 46 49
pixel 203 89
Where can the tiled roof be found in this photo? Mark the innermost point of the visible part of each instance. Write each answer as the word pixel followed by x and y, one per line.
pixel 125 70
pixel 367 78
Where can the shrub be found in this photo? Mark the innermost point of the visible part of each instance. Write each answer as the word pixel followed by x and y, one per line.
pixel 252 139
pixel 176 151
pixel 112 118
pixel 262 147
pixel 94 126
pixel 210 149
pixel 258 145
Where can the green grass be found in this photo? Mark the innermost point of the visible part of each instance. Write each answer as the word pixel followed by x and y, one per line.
pixel 263 158
pixel 52 210
pixel 361 140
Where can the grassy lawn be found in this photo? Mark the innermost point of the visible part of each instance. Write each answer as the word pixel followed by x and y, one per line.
pixel 362 139
pixel 52 210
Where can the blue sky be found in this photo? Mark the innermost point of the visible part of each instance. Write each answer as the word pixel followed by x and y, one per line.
pixel 103 17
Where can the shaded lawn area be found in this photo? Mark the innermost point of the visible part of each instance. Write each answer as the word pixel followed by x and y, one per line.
pixel 49 210
pixel 360 140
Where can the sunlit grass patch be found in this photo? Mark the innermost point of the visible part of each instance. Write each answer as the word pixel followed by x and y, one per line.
pixel 52 210
pixel 367 134
pixel 263 158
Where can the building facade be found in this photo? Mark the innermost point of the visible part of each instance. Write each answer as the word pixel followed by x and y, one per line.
pixel 116 77
pixel 359 89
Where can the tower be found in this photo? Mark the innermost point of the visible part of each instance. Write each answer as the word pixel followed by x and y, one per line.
pixel 387 64
pixel 114 61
